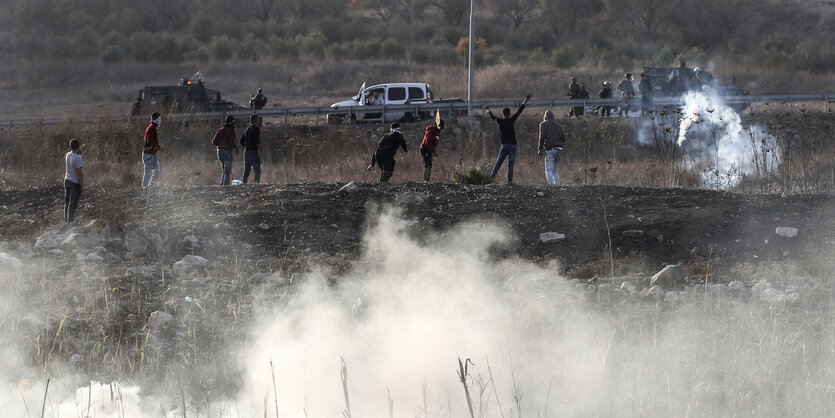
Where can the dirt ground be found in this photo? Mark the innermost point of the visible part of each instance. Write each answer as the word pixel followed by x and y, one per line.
pixel 291 226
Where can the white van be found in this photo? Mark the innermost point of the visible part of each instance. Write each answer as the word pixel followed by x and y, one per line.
pixel 390 94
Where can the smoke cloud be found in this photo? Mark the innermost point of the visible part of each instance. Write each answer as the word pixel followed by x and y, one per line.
pixel 539 345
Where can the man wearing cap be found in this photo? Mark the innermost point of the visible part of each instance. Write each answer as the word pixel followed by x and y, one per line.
pixel 551 141
pixel 73 180
pixel 149 152
pixel 224 141
pixel 383 156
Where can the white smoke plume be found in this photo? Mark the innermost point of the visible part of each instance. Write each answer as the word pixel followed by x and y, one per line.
pixel 720 145
pixel 410 308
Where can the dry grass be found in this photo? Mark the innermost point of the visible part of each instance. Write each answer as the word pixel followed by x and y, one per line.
pixel 599 151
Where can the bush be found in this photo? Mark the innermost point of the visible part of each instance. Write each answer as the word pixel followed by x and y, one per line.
pixel 222 48
pixel 113 54
pixel 473 175
pixel 313 44
pixel 564 57
pixel 283 48
pixel 392 49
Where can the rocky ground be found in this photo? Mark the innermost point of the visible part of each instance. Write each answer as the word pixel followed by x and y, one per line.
pixel 124 290
pixel 290 226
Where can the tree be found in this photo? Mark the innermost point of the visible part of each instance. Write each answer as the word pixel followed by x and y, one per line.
pixel 569 14
pixel 517 11
pixel 452 10
pixel 263 9
pixel 386 10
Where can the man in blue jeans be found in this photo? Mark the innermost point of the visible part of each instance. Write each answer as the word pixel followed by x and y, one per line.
pixel 149 152
pixel 508 136
pixel 551 141
pixel 225 142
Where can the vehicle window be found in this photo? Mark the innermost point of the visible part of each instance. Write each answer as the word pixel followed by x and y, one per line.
pixel 415 93
pixel 397 93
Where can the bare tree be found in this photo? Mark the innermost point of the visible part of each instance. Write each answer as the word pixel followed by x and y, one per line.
pixel 517 11
pixel 263 9
pixel 452 10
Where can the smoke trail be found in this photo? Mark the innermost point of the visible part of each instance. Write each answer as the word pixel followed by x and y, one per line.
pixel 719 145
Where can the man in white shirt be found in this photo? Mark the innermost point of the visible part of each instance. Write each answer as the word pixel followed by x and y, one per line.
pixel 73 180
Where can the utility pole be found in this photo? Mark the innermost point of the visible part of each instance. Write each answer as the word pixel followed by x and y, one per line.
pixel 470 93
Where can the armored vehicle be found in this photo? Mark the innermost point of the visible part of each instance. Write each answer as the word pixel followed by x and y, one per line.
pixel 190 95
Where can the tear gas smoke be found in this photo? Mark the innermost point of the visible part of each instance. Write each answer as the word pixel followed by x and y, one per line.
pixel 714 140
pixel 541 345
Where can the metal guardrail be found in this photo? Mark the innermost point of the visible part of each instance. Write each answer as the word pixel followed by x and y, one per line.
pixel 450 108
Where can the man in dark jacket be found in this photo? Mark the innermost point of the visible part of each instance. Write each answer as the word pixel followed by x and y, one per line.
pixel 383 156
pixel 225 142
pixel 251 141
pixel 259 101
pixel 575 92
pixel 551 141
pixel 508 137
pixel 605 93
pixel 429 146
pixel 149 152
pixel 627 93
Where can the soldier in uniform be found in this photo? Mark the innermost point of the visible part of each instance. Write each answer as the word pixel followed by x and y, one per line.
pixel 259 101
pixel 575 92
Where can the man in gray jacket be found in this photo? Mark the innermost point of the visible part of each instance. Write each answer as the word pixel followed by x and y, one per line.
pixel 551 141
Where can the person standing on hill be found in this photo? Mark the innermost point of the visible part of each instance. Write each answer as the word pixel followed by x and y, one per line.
pixel 605 93
pixel 627 93
pixel 251 141
pixel 575 92
pixel 149 152
pixel 551 141
pixel 387 147
pixel 73 180
pixel 508 137
pixel 258 101
pixel 224 141
pixel 429 146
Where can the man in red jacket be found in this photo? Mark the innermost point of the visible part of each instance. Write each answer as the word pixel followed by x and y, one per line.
pixel 149 152
pixel 429 146
pixel 225 142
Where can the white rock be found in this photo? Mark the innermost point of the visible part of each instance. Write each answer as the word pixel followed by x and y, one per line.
pixel 772 295
pixel 264 226
pixel 189 264
pixel 9 261
pixel 551 237
pixel 94 258
pixel 760 287
pixel 540 194
pixel 351 187
pixel 736 287
pixel 670 276
pixel 50 240
pixel 654 292
pixel 629 287
pixel 633 233
pixel 786 231
pixel 77 241
pixel 409 198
